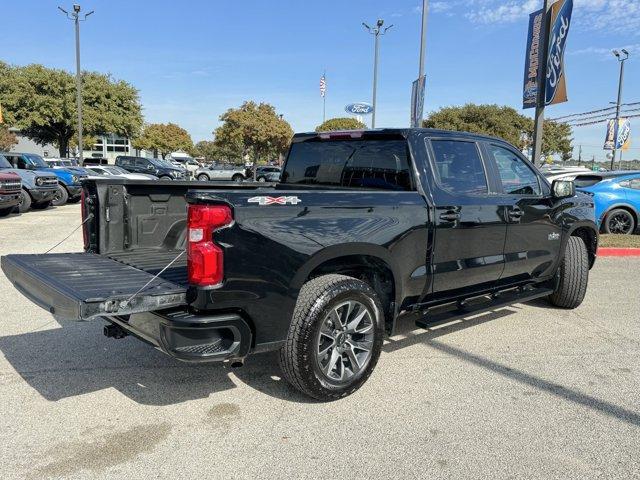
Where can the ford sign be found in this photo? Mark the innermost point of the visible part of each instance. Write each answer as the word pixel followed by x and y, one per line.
pixel 360 108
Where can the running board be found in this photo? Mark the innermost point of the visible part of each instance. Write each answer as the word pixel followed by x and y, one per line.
pixel 481 304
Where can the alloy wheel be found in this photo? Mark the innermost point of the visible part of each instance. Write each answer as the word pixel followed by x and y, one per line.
pixel 620 223
pixel 345 340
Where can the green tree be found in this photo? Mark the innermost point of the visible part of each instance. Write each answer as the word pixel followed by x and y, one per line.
pixel 252 129
pixel 163 139
pixel 502 122
pixel 340 123
pixel 7 138
pixel 207 149
pixel 41 103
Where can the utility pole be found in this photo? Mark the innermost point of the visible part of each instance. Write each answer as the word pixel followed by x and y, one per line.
pixel 377 31
pixel 540 103
pixel 75 16
pixel 579 155
pixel 622 57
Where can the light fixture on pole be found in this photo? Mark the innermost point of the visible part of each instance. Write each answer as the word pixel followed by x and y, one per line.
pixel 76 17
pixel 622 56
pixel 376 32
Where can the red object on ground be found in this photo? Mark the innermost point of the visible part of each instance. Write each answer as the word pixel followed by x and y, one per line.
pixel 618 252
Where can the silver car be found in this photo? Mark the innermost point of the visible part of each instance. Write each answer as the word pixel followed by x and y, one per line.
pixel 221 172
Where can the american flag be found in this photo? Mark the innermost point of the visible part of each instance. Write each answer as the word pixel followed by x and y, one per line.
pixel 323 86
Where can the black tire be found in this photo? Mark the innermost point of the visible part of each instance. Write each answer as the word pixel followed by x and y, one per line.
pixel 5 211
pixel 203 177
pixel 262 179
pixel 298 359
pixel 619 221
pixel 572 276
pixel 237 178
pixel 41 205
pixel 60 197
pixel 25 201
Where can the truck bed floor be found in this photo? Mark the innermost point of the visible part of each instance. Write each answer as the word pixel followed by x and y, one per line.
pixel 153 261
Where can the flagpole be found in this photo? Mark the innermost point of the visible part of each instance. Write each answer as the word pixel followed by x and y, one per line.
pixel 324 99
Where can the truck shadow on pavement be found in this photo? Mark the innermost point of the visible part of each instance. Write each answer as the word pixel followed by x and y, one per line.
pixel 429 337
pixel 77 359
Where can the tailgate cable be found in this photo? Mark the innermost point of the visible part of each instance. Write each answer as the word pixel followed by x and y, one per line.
pixel 128 300
pixel 89 217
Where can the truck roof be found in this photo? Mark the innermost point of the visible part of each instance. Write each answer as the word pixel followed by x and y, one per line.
pixel 404 132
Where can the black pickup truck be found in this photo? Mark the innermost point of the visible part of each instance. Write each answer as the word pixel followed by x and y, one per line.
pixel 363 227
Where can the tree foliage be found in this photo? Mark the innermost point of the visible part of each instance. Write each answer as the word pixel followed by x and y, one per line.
pixel 7 138
pixel 41 103
pixel 253 129
pixel 503 122
pixel 340 123
pixel 207 149
pixel 164 138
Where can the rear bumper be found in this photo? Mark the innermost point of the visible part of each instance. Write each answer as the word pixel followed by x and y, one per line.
pixel 189 337
pixel 9 199
pixel 42 194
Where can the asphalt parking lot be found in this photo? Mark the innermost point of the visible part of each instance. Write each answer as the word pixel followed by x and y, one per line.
pixel 523 392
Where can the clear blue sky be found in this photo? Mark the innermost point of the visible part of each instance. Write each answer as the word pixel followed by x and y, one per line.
pixel 192 60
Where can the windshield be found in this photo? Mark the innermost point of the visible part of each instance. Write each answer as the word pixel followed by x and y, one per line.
pixel 4 163
pixel 36 160
pixel 115 170
pixel 161 163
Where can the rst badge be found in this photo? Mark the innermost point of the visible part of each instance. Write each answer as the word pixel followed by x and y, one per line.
pixel 290 200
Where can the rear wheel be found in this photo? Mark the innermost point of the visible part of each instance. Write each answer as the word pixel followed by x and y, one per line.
pixel 335 337
pixel 25 201
pixel 60 197
pixel 572 276
pixel 619 221
pixel 203 177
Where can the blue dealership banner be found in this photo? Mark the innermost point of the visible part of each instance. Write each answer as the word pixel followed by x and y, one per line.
pixel 533 61
pixel 555 90
pixel 618 135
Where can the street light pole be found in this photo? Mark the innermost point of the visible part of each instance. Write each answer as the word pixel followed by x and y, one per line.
pixel 376 32
pixel 75 16
pixel 622 57
pixel 423 37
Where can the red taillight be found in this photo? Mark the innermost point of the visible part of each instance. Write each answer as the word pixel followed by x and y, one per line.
pixel 205 258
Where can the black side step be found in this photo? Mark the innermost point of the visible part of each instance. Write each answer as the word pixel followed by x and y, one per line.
pixel 482 304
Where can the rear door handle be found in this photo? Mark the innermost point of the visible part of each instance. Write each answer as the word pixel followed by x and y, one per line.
pixel 450 216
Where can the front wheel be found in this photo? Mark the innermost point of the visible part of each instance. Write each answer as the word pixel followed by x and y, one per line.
pixel 237 178
pixel 203 177
pixel 262 179
pixel 572 276
pixel 335 337
pixel 24 204
pixel 60 197
pixel 619 221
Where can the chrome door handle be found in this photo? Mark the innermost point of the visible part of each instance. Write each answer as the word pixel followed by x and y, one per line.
pixel 450 216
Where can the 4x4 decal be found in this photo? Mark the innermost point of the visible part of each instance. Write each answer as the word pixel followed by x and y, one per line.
pixel 291 200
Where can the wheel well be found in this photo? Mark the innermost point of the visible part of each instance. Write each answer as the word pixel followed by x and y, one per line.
pixel 371 270
pixel 590 239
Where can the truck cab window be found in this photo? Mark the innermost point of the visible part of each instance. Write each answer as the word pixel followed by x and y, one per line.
pixel 459 167
pixel 516 176
pixel 379 164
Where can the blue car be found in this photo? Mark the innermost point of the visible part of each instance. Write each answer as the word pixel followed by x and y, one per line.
pixel 617 199
pixel 69 182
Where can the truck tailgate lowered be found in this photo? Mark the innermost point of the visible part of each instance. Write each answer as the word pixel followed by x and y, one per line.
pixel 82 286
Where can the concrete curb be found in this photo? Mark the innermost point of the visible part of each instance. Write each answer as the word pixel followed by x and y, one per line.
pixel 618 252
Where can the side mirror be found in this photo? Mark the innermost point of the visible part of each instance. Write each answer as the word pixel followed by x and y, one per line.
pixel 563 189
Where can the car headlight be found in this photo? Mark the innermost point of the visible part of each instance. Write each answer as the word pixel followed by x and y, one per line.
pixel 74 179
pixel 39 181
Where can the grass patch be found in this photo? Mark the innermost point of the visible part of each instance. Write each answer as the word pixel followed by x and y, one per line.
pixel 619 241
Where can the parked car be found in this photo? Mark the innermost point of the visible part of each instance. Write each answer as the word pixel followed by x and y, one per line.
pixel 38 188
pixel 10 187
pixel 267 174
pixel 318 267
pixel 98 171
pixel 66 164
pixel 617 199
pixel 188 163
pixel 221 172
pixel 69 185
pixel 563 173
pixel 153 166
